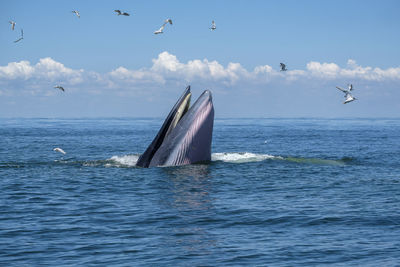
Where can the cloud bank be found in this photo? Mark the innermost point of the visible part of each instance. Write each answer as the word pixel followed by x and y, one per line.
pixel 168 70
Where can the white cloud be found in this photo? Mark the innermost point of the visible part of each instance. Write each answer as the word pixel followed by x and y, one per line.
pixel 135 76
pixel 15 70
pixel 51 69
pixel 323 70
pixel 169 66
pixel 168 70
pixel 354 71
pixel 47 68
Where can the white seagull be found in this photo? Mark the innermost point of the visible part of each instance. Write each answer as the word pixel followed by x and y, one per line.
pixel 283 67
pixel 76 13
pixel 12 24
pixel 213 26
pixel 60 87
pixel 57 149
pixel 119 13
pixel 22 36
pixel 163 26
pixel 347 94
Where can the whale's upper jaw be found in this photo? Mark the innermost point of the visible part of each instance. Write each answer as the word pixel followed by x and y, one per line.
pixel 186 135
pixel 145 159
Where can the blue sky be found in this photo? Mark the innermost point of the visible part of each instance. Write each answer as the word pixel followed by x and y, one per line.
pixel 114 66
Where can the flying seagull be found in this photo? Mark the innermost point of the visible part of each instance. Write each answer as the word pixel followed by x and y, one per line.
pixel 60 87
pixel 57 149
pixel 213 26
pixel 163 26
pixel 22 36
pixel 347 94
pixel 12 24
pixel 119 13
pixel 76 13
pixel 283 67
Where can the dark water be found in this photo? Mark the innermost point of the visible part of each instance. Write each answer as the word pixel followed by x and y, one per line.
pixel 279 192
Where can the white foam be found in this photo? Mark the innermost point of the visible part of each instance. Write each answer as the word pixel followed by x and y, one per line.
pixel 233 157
pixel 241 157
pixel 123 161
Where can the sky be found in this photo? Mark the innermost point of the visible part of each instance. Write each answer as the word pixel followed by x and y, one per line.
pixel 114 66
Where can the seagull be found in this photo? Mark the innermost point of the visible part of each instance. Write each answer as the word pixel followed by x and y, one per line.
pixel 76 13
pixel 60 87
pixel 347 94
pixel 119 13
pixel 12 24
pixel 22 36
pixel 283 67
pixel 213 26
pixel 57 149
pixel 163 26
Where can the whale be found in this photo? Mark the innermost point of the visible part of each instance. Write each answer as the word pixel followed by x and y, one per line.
pixel 185 137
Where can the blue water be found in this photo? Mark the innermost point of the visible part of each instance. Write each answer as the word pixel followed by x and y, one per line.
pixel 278 192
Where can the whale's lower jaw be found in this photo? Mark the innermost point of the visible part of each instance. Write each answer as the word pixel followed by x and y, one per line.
pixel 187 142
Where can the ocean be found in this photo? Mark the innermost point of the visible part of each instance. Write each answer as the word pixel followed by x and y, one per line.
pixel 278 192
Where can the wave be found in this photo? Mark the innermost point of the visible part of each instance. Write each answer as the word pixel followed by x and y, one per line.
pixel 234 157
pixel 241 157
pixel 122 161
pixel 228 157
pixel 130 160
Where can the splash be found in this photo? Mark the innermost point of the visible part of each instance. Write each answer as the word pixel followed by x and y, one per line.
pixel 129 161
pixel 241 157
pixel 122 161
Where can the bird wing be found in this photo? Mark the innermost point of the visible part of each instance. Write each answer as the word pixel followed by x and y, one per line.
pixel 22 36
pixel 125 14
pixel 118 11
pixel 341 89
pixel 350 87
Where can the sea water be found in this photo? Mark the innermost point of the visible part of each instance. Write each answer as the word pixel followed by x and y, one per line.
pixel 277 192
